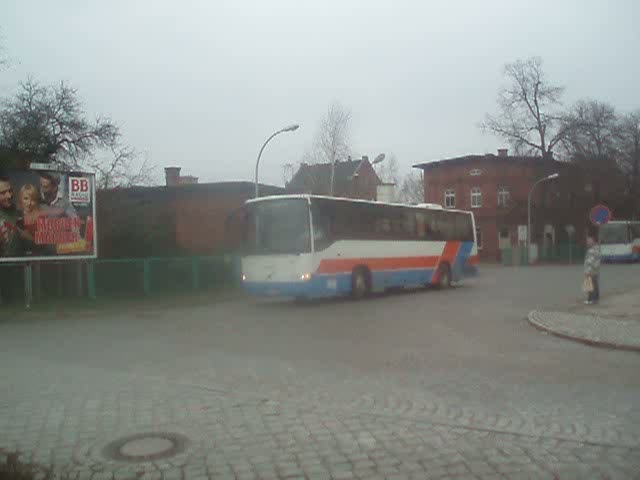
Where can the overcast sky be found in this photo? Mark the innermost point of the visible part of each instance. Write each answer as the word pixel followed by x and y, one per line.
pixel 201 84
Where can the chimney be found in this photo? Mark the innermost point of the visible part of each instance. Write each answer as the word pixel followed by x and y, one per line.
pixel 188 180
pixel 172 176
pixel 503 152
pixel 365 157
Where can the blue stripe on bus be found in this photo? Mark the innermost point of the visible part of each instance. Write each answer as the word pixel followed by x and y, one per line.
pixel 401 278
pixel 322 285
pixel 459 265
pixel 319 285
pixel 620 258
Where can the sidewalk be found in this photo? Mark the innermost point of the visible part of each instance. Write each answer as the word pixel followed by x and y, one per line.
pixel 614 323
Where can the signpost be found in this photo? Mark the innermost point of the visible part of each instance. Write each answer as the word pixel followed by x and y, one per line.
pixel 600 215
pixel 571 230
pixel 522 233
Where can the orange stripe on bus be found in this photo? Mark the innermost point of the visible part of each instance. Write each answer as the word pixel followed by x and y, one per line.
pixel 341 265
pixel 450 252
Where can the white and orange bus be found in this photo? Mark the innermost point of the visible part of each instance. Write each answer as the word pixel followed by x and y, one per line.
pixel 310 246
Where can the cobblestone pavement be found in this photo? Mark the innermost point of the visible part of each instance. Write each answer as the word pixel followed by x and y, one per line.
pixel 419 385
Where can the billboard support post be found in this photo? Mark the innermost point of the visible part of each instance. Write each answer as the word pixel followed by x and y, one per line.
pixel 146 270
pixel 60 280
pixel 195 273
pixel 37 282
pixel 79 283
pixel 28 285
pixel 91 280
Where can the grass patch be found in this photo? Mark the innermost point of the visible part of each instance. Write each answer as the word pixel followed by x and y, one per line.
pixel 68 307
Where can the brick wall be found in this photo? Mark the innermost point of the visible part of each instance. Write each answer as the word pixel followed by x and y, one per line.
pixel 201 221
pixel 135 223
pixel 365 184
pixel 566 200
pixel 172 221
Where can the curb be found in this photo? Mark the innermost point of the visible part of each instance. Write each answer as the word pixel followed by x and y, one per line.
pixel 585 341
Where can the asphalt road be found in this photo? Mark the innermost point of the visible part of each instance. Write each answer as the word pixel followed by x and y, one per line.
pixel 422 384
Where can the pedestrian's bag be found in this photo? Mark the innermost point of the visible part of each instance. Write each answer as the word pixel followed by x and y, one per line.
pixel 587 285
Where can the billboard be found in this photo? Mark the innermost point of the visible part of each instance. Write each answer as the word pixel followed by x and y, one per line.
pixel 47 215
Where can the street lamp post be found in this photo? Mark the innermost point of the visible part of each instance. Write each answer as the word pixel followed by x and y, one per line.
pixel 378 159
pixel 290 128
pixel 544 179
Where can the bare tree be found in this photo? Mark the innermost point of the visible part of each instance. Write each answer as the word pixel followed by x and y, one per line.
pixel 331 142
pixel 529 115
pixel 388 170
pixel 4 60
pixel 629 157
pixel 412 188
pixel 49 124
pixel 592 136
pixel 123 167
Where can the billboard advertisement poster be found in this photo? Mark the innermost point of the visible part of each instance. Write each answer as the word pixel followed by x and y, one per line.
pixel 47 215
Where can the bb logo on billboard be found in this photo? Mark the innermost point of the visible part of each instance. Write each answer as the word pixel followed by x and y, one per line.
pixel 79 190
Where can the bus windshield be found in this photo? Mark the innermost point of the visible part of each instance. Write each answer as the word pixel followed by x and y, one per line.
pixel 278 227
pixel 612 233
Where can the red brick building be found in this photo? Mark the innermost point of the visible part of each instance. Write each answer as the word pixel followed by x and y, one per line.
pixel 181 218
pixel 352 179
pixel 496 188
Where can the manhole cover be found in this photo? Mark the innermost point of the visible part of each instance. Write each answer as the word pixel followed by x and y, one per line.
pixel 145 447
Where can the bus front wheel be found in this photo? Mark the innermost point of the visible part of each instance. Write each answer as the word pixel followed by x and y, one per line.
pixel 360 283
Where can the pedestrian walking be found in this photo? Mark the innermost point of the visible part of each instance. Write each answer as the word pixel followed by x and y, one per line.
pixel 592 271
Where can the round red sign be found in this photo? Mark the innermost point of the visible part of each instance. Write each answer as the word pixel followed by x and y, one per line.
pixel 600 215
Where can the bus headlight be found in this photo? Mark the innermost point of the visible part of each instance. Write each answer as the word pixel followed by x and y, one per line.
pixel 305 277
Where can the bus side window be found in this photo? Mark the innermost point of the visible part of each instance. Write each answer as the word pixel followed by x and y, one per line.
pixel 323 224
pixel 464 229
pixel 421 226
pixel 397 223
pixel 431 226
pixel 383 228
pixel 409 225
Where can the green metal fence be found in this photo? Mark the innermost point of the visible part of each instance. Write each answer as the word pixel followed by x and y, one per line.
pixel 127 277
pixel 148 276
pixel 561 253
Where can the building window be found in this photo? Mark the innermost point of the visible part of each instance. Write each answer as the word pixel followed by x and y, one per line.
pixel 479 238
pixel 503 196
pixel 449 199
pixel 476 197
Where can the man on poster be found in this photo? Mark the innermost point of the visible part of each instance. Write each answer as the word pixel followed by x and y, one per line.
pixel 10 242
pixel 57 204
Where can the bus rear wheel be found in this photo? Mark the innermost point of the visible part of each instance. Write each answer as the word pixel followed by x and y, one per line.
pixel 360 284
pixel 444 277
